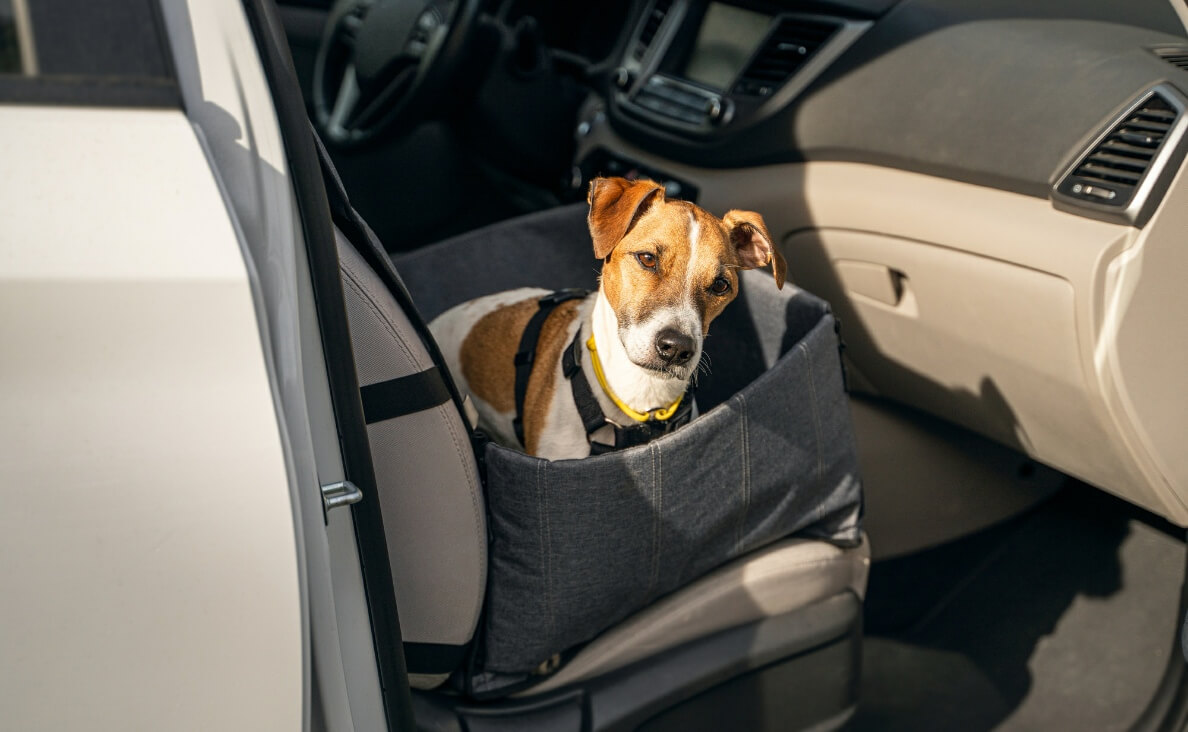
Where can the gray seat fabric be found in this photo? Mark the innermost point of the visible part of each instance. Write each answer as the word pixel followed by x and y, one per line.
pixel 778 579
pixel 426 474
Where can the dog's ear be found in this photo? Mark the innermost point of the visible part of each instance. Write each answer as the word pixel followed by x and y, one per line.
pixel 615 205
pixel 749 236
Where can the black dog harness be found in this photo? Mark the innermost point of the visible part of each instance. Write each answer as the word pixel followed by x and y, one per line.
pixel 583 396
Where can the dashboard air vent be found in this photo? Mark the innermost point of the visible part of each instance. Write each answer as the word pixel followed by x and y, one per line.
pixel 1111 171
pixel 1176 56
pixel 786 49
pixel 652 22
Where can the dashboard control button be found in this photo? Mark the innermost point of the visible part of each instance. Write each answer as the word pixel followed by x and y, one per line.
pixel 1105 194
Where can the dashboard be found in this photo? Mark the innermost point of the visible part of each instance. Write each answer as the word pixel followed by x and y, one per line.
pixel 990 195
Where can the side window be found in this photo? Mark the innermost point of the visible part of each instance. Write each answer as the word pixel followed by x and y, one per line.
pixel 14 37
pixel 85 52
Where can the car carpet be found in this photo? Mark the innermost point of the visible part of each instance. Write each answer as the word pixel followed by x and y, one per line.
pixel 1061 618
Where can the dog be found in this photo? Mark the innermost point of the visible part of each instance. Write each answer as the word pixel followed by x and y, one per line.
pixel 610 369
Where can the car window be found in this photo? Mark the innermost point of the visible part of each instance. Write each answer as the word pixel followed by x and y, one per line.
pixel 13 25
pixel 82 52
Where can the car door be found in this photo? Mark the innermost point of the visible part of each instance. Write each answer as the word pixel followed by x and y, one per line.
pixel 151 564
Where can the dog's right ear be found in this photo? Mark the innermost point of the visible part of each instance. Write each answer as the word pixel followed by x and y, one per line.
pixel 615 205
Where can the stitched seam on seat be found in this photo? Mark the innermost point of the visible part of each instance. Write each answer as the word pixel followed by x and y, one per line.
pixel 746 473
pixel 383 319
pixel 476 511
pixel 543 501
pixel 658 538
pixel 816 416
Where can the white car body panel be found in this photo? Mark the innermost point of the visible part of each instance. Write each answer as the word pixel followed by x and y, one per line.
pixel 135 409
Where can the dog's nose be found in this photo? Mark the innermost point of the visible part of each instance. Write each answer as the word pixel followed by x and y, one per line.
pixel 674 347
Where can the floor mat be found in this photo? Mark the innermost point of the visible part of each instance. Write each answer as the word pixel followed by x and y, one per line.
pixel 1060 619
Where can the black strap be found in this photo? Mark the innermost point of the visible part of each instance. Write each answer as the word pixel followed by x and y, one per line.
pixel 591 411
pixel 583 396
pixel 433 658
pixel 404 395
pixel 526 353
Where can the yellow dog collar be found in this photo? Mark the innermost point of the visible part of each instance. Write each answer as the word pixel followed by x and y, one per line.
pixel 660 413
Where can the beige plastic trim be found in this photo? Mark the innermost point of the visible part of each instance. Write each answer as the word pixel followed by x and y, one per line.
pixel 1021 322
pixel 1181 10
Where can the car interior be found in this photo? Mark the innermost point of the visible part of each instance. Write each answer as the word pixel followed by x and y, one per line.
pixel 990 197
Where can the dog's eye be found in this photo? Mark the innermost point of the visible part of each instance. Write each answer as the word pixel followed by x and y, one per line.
pixel 720 286
pixel 647 259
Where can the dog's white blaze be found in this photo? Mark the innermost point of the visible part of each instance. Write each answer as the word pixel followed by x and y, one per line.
pixel 640 388
pixel 691 269
pixel 686 318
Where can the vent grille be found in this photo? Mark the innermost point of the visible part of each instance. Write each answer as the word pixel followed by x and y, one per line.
pixel 655 18
pixel 790 46
pixel 1177 57
pixel 1111 172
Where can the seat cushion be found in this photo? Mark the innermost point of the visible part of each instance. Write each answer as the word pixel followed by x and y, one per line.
pixel 777 579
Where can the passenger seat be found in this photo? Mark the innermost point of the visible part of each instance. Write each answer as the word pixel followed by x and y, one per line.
pixel 771 640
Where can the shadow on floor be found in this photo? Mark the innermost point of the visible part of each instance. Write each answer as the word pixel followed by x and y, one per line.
pixel 1058 619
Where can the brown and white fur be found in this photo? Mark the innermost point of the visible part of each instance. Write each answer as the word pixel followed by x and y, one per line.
pixel 669 268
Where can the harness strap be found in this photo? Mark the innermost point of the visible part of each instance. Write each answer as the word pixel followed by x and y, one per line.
pixel 583 396
pixel 526 353
pixel 591 411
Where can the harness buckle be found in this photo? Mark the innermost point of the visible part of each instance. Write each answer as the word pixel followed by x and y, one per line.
pixel 559 296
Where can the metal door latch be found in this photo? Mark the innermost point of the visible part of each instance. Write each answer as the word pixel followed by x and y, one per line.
pixel 343 493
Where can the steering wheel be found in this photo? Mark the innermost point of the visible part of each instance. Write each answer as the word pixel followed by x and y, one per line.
pixel 383 65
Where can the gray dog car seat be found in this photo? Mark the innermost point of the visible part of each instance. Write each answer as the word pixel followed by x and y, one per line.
pixel 571 572
pixel 578 546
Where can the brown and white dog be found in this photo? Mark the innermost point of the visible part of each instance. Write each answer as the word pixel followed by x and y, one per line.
pixel 669 268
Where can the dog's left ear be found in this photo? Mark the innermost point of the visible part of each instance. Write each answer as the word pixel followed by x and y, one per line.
pixel 749 236
pixel 615 204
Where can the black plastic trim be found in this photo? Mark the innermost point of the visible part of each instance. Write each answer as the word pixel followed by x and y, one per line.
pixel 318 227
pixel 1137 201
pixel 90 91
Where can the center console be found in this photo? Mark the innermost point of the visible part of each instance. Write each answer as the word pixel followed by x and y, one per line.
pixel 705 82
pixel 706 68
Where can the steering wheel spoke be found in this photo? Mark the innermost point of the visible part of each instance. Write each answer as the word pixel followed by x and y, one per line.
pixel 338 125
pixel 384 102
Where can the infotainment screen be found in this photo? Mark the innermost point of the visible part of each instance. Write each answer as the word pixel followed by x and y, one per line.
pixel 727 38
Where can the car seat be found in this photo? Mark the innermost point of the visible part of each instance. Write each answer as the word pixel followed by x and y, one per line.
pixel 771 640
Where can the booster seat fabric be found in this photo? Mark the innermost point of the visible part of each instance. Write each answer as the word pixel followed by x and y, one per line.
pixel 578 545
